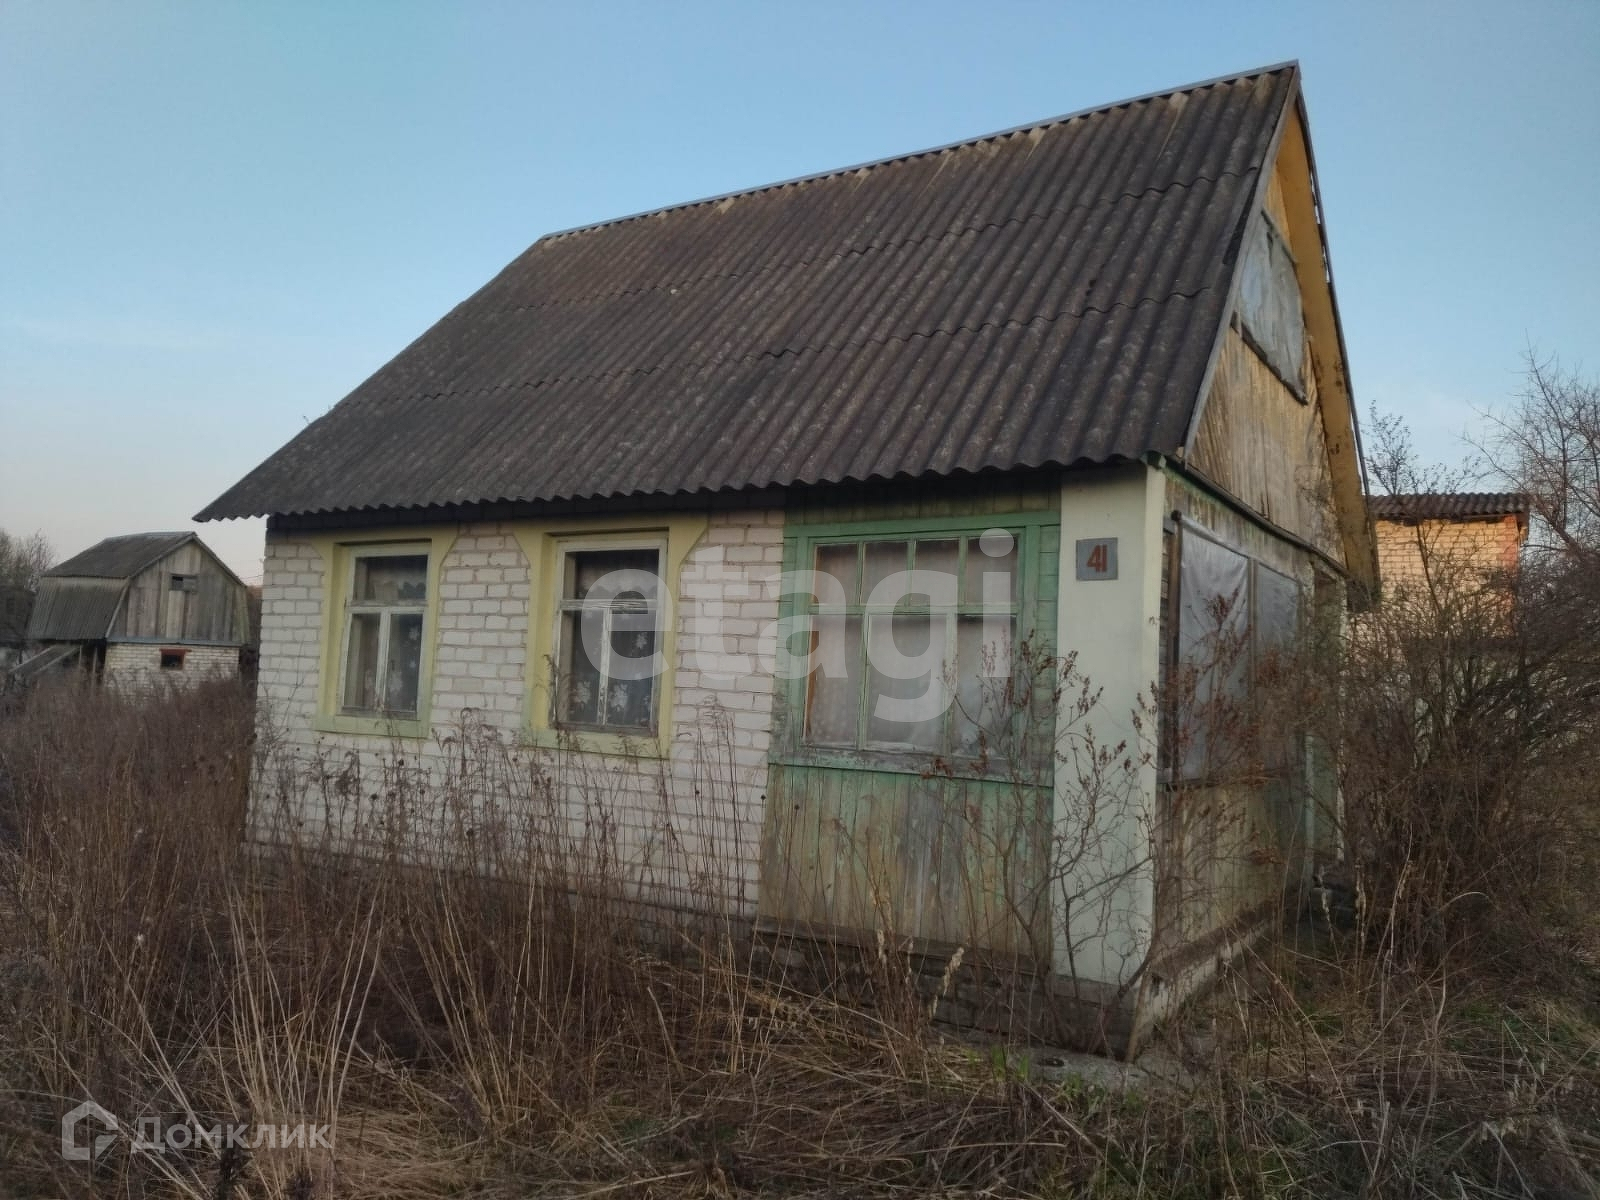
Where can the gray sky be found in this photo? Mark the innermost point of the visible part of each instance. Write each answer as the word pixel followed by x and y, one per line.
pixel 216 220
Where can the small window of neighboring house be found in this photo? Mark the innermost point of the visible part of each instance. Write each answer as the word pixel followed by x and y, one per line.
pixel 172 660
pixel 911 642
pixel 384 616
pixel 184 583
pixel 608 628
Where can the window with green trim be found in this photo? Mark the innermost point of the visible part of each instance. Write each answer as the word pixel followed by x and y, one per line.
pixel 911 642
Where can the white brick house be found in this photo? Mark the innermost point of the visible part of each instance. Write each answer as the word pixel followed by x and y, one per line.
pixel 720 701
pixel 1081 400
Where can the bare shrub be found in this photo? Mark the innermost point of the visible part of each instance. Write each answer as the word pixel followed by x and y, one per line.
pixel 495 988
pixel 24 559
pixel 1466 707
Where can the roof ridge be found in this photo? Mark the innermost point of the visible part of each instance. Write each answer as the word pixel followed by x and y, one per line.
pixel 163 541
pixel 1292 64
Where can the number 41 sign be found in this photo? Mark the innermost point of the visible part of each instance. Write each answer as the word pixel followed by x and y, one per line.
pixel 1097 558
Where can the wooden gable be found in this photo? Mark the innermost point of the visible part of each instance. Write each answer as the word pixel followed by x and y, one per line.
pixel 1277 428
pixel 188 595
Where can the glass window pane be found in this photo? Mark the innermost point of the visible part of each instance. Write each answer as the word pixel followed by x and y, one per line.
pixel 621 574
pixel 1213 654
pixel 905 681
pixel 939 556
pixel 1269 302
pixel 404 665
pixel 983 709
pixel 391 579
pixel 578 675
pixel 883 559
pixel 991 558
pixel 841 563
pixel 631 687
pixel 361 662
pixel 833 701
pixel 1277 612
pixel 1276 630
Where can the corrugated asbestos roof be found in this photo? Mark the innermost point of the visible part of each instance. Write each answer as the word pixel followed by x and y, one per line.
pixel 74 608
pixel 1447 506
pixel 1049 295
pixel 120 557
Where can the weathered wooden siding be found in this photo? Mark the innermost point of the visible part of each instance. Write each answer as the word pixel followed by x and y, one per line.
pixel 862 846
pixel 1292 201
pixel 214 612
pixel 957 862
pixel 1266 447
pixel 953 498
pixel 1228 849
pixel 1273 202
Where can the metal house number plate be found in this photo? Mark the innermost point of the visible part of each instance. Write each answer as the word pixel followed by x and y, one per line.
pixel 1097 558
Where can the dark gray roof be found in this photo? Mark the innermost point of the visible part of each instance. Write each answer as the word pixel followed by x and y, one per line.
pixel 1447 506
pixel 74 608
pixel 121 557
pixel 1046 296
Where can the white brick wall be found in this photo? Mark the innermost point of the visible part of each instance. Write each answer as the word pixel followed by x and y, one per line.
pixel 481 651
pixel 691 821
pixel 291 625
pixel 136 666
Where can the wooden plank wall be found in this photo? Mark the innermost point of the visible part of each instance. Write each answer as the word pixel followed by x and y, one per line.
pixel 941 860
pixel 1266 448
pixel 215 612
pixel 1224 846
pixel 953 862
pixel 985 495
pixel 1261 442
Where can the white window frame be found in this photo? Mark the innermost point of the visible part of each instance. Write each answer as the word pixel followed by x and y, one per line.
pixel 561 606
pixel 353 608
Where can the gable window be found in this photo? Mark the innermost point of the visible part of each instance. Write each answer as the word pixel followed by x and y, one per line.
pixel 184 583
pixel 608 630
pixel 172 660
pixel 1269 304
pixel 911 642
pixel 384 617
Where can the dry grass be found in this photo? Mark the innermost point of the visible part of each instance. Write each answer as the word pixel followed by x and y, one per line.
pixel 520 1028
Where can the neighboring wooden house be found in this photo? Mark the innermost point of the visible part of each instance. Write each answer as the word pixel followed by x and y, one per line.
pixel 143 610
pixel 1482 532
pixel 1095 362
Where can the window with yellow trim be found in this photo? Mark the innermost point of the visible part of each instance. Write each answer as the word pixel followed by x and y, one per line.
pixel 385 618
pixel 608 637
